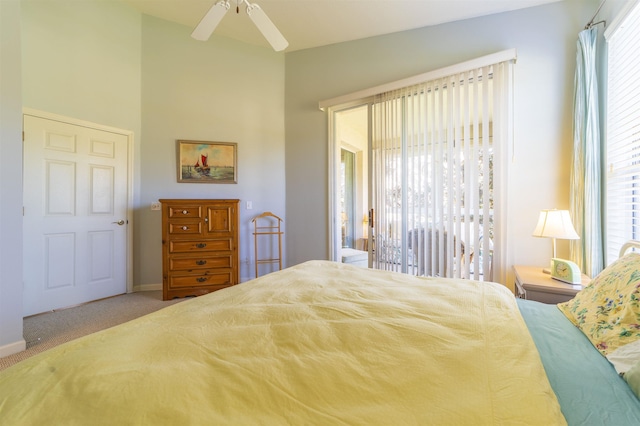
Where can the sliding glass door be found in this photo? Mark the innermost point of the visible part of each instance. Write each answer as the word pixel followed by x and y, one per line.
pixel 349 180
pixel 436 183
pixel 433 176
pixel 348 194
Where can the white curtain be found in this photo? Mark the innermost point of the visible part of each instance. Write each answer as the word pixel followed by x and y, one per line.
pixel 586 191
pixel 438 166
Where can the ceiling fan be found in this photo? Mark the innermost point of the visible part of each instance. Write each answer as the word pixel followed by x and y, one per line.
pixel 213 17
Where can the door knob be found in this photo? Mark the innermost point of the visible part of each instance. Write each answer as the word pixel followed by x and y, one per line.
pixel 120 222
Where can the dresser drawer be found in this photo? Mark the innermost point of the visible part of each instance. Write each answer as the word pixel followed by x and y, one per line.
pixel 185 228
pixel 216 278
pixel 184 211
pixel 199 262
pixel 197 246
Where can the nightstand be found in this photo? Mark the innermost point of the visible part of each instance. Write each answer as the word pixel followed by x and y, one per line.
pixel 533 284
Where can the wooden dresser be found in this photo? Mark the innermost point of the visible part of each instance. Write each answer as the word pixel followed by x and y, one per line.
pixel 199 246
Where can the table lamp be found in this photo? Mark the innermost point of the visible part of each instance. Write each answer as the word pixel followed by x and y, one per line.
pixel 555 224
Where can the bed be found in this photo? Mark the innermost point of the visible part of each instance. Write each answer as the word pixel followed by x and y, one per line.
pixel 328 343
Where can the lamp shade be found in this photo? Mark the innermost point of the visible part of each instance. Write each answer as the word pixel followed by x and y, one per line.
pixel 555 224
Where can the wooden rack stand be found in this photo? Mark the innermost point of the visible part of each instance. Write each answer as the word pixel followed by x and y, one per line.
pixel 272 228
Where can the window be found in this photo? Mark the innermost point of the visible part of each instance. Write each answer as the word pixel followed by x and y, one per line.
pixel 622 147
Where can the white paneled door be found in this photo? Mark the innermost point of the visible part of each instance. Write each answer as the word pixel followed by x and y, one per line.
pixel 75 214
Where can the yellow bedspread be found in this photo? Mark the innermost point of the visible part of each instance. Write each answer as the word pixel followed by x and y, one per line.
pixel 316 344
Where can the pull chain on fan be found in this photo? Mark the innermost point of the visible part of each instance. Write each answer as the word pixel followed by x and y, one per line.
pixel 213 17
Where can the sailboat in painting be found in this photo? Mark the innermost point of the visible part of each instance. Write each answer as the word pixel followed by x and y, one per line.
pixel 203 169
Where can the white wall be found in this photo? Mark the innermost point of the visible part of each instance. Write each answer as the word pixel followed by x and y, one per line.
pixel 545 39
pixel 82 60
pixel 11 340
pixel 220 90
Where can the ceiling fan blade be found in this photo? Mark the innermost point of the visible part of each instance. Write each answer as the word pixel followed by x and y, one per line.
pixel 210 21
pixel 266 27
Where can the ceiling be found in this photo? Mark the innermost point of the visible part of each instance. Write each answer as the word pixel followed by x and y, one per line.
pixel 313 23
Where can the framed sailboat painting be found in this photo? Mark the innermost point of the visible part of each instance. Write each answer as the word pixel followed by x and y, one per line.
pixel 207 162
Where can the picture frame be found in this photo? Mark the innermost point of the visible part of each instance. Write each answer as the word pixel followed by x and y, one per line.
pixel 207 162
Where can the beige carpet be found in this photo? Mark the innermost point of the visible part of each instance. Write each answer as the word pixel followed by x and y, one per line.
pixel 50 329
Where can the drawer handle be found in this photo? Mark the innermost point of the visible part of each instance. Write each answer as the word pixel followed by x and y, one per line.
pixel 185 211
pixel 201 279
pixel 201 245
pixel 185 228
pixel 201 262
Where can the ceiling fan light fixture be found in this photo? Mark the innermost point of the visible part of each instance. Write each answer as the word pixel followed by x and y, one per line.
pixel 266 27
pixel 210 21
pixel 213 17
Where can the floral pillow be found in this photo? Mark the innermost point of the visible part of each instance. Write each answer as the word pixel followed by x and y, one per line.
pixel 607 311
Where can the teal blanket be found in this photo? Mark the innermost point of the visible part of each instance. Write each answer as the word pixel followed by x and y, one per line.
pixel 588 388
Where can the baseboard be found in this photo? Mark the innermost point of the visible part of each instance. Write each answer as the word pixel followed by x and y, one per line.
pixel 13 348
pixel 147 287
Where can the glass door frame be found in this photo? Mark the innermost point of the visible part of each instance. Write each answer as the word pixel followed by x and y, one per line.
pixel 334 148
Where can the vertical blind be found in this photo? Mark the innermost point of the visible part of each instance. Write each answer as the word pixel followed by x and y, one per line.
pixel 622 192
pixel 437 154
